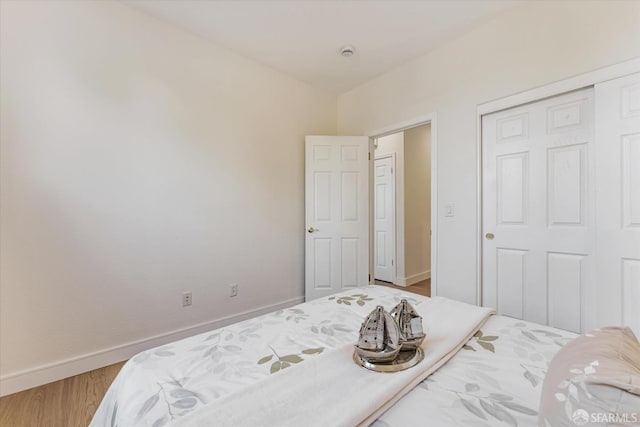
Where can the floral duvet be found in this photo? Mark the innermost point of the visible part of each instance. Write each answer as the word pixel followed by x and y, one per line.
pixel 494 380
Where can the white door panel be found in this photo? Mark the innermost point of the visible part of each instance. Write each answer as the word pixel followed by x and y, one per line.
pixel 565 274
pixel 337 214
pixel 511 268
pixel 385 242
pixel 538 202
pixel 618 192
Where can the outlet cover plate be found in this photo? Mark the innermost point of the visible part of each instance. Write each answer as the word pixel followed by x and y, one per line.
pixel 187 299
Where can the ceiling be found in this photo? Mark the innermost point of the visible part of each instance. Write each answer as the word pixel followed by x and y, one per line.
pixel 303 38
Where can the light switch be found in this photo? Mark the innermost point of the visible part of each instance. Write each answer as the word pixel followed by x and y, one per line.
pixel 449 210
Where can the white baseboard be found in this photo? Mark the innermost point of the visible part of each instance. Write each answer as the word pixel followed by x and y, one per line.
pixel 44 374
pixel 408 281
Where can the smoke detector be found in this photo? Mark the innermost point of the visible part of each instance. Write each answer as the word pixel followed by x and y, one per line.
pixel 347 51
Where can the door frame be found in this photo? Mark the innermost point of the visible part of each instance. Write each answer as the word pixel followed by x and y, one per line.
pixel 431 120
pixel 392 156
pixel 580 81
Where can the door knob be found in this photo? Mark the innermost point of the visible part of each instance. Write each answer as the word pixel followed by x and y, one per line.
pixel 489 236
pixel 311 229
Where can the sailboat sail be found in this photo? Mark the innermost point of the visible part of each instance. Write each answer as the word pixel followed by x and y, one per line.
pixel 372 331
pixel 409 323
pixel 379 337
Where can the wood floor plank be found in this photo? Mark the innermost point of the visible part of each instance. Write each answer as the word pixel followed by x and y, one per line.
pixel 66 403
pixel 421 288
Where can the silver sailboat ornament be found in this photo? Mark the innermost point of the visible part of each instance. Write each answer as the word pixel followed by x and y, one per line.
pixel 381 341
pixel 410 324
pixel 379 337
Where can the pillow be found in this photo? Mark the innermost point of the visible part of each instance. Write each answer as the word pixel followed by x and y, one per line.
pixel 594 380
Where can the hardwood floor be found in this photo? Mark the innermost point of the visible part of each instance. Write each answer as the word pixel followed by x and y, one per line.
pixel 422 288
pixel 73 401
pixel 66 403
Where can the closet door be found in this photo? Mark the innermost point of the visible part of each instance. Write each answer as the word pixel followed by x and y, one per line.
pixel 538 210
pixel 618 194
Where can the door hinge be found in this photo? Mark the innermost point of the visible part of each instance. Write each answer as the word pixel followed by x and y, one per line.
pixel 391 262
pixel 369 278
pixel 391 171
pixel 369 155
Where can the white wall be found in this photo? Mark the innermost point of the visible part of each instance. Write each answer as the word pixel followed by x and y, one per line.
pixel 525 47
pixel 417 203
pixel 138 162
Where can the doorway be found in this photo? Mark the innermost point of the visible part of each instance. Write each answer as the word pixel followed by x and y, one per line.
pixel 402 208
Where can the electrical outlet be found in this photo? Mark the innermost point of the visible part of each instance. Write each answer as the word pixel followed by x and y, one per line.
pixel 187 299
pixel 233 290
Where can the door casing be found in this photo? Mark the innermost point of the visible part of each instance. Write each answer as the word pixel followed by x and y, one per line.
pixel 430 119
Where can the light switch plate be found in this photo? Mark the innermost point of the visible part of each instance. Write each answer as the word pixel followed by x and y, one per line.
pixel 449 210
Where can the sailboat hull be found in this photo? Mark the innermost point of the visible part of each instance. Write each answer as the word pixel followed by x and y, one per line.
pixel 386 355
pixel 404 360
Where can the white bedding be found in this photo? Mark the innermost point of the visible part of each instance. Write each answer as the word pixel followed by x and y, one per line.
pixel 163 384
pixel 495 380
pixel 302 395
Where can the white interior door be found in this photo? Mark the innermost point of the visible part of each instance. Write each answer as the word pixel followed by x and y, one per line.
pixel 337 214
pixel 539 210
pixel 384 224
pixel 618 192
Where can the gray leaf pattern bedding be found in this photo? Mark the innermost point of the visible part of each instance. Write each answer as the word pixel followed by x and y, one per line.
pixel 495 380
pixel 164 383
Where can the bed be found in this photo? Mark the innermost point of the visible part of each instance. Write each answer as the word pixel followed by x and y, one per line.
pixel 495 377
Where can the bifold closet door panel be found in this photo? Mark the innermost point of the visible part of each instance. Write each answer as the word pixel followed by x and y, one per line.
pixel 538 210
pixel 618 195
